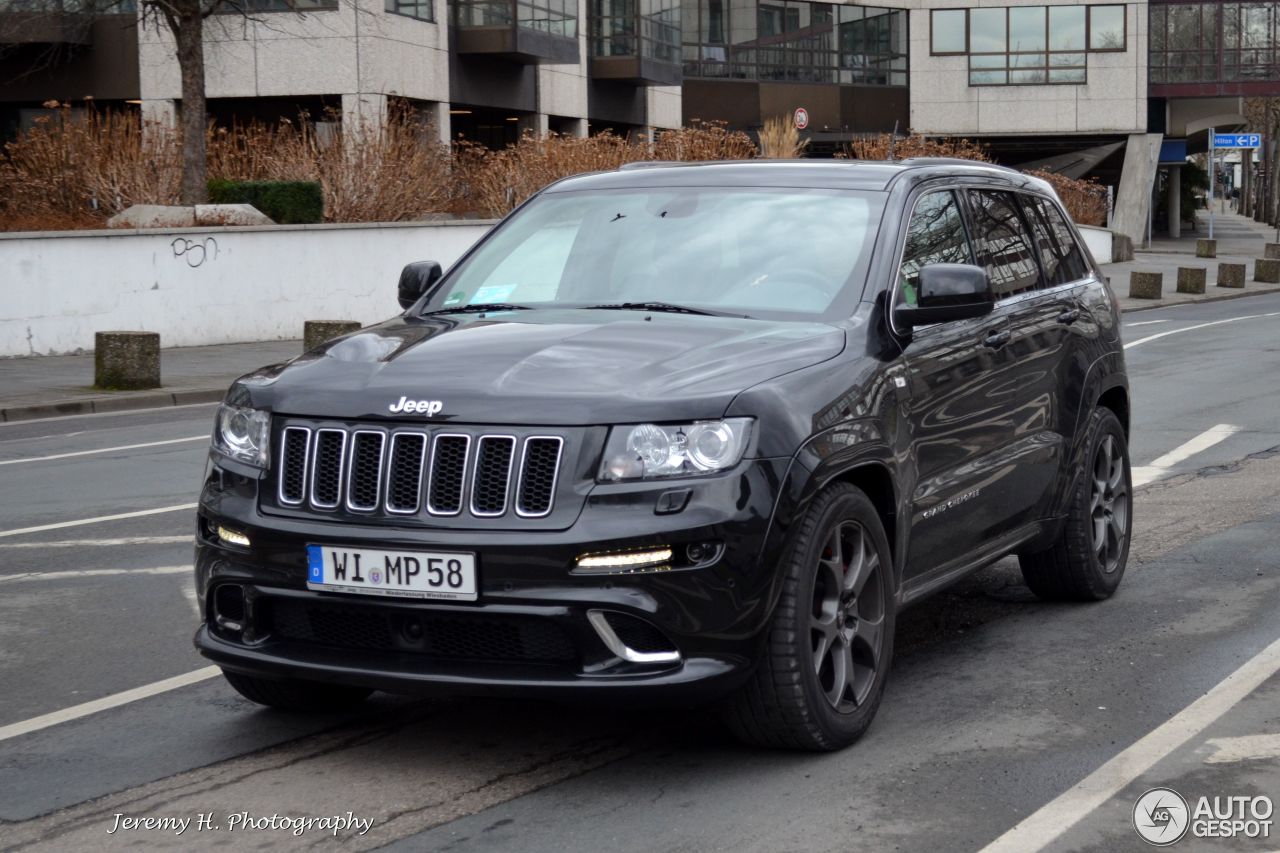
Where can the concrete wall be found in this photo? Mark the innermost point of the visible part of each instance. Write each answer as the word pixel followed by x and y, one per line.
pixel 1099 242
pixel 208 286
pixel 1114 100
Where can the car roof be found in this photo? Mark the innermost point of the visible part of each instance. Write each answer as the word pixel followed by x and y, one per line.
pixel 876 175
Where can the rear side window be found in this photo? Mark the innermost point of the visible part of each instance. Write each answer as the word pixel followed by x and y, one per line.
pixel 1004 246
pixel 935 235
pixel 1060 254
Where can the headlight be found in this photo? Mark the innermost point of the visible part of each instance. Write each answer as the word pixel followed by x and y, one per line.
pixel 647 451
pixel 243 433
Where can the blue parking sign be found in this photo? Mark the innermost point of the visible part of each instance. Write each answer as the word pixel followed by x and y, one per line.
pixel 1237 140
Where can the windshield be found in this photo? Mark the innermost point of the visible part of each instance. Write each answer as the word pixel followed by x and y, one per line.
pixel 749 251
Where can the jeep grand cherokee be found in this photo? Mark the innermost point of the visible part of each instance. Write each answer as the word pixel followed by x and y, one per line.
pixel 684 433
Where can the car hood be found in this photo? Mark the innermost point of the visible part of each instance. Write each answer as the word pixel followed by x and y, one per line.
pixel 568 367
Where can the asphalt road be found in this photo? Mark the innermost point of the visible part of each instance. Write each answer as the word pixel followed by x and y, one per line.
pixel 1007 722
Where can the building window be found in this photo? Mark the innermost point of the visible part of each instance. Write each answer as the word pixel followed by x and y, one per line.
pixel 1027 45
pixel 1106 28
pixel 645 28
pixel 947 31
pixel 794 41
pixel 423 10
pixel 557 17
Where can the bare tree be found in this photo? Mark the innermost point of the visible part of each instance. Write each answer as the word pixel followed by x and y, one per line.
pixel 184 20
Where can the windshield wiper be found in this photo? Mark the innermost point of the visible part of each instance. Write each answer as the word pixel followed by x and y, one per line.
pixel 478 308
pixel 663 307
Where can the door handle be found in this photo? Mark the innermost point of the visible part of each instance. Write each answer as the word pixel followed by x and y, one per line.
pixel 1066 318
pixel 995 340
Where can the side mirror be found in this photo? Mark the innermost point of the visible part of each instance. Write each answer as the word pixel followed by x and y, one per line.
pixel 947 292
pixel 416 279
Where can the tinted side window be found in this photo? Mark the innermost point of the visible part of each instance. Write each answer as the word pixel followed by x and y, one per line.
pixel 1004 246
pixel 1063 259
pixel 935 235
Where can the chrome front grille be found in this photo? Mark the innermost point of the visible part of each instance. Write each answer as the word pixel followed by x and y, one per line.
pixel 407 472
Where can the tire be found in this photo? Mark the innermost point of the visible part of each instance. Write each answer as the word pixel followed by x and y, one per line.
pixel 835 616
pixel 1088 560
pixel 287 694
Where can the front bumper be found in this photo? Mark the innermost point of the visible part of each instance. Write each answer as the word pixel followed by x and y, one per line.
pixel 531 631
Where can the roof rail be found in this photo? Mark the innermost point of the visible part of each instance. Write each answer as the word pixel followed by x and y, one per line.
pixel 654 164
pixel 954 161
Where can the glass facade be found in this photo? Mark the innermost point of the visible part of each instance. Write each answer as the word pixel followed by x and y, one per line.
pixel 792 41
pixel 556 17
pixel 1027 45
pixel 1215 42
pixel 645 28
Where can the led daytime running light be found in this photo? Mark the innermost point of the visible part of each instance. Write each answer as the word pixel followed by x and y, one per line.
pixel 626 560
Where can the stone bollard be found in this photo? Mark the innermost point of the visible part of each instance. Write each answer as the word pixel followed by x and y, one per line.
pixel 126 361
pixel 1272 251
pixel 1191 279
pixel 1145 285
pixel 1230 275
pixel 1206 248
pixel 1267 270
pixel 316 332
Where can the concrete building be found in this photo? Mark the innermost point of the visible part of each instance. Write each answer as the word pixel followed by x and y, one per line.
pixel 486 69
pixel 1123 91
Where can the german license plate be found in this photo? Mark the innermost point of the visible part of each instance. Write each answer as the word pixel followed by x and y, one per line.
pixel 402 574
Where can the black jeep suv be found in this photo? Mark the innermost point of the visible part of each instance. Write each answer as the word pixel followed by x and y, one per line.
pixel 686 433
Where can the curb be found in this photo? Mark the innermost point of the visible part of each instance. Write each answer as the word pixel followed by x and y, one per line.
pixel 101 405
pixel 1217 297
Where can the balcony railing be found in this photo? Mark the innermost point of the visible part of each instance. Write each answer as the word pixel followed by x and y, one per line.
pixel 636 41
pixel 522 30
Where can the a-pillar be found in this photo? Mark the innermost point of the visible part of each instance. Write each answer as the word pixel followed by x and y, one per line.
pixel 362 113
pixel 1175 202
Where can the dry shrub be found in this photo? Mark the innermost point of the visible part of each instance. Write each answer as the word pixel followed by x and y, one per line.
pixel 1085 200
pixel 915 145
pixel 76 170
pixel 492 183
pixel 702 140
pixel 367 174
pixel 779 139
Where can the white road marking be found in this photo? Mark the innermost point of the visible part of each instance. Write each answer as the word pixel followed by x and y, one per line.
pixel 1046 825
pixel 93 573
pixel 75 712
pixel 1159 335
pixel 102 543
pixel 1249 748
pixel 40 528
pixel 1144 323
pixel 1144 474
pixel 103 450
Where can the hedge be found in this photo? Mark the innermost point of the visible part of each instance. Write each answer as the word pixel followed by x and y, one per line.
pixel 286 202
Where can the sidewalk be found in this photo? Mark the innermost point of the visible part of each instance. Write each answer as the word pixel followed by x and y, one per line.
pixel 1240 241
pixel 48 386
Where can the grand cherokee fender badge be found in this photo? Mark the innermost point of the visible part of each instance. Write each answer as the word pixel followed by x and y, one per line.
pixel 406 406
